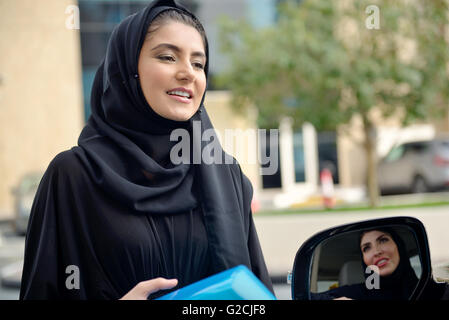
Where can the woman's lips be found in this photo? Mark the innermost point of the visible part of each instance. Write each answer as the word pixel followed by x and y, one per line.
pixel 381 262
pixel 180 99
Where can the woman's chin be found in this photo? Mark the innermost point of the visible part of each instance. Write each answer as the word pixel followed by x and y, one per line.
pixel 385 273
pixel 183 118
pixel 179 116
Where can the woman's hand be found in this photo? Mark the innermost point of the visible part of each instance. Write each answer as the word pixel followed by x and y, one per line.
pixel 143 289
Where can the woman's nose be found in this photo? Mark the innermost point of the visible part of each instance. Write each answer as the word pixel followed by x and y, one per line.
pixel 185 72
pixel 378 250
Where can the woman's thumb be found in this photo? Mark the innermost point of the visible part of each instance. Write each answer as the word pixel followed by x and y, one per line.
pixel 157 284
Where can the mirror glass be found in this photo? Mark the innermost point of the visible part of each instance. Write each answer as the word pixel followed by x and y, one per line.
pixel 369 264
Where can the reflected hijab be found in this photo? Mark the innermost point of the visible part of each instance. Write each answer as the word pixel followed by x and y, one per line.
pixel 125 147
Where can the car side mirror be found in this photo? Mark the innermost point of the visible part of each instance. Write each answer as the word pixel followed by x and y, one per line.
pixel 381 259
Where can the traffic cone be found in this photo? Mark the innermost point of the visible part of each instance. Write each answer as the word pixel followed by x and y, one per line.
pixel 255 206
pixel 327 188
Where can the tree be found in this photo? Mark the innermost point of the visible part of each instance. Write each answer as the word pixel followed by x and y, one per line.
pixel 328 62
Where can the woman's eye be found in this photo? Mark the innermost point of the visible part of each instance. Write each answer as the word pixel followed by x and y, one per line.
pixel 166 58
pixel 198 65
pixel 383 240
pixel 365 249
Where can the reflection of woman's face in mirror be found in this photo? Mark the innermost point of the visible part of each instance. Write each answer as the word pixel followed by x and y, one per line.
pixel 379 249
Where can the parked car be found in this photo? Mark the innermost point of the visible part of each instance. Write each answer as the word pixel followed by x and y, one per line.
pixel 416 167
pixel 24 195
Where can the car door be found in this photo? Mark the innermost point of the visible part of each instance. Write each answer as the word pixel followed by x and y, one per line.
pixel 392 169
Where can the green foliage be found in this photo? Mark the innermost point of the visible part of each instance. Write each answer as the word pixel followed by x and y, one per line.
pixel 320 63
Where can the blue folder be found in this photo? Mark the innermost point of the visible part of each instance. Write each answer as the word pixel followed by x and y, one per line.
pixel 238 283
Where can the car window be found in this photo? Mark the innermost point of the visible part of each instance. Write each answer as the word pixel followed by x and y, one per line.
pixel 419 147
pixel 395 154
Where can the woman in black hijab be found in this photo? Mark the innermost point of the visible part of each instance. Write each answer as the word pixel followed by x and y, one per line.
pixel 385 250
pixel 117 211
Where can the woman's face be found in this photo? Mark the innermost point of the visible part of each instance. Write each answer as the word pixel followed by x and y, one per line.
pixel 379 249
pixel 171 70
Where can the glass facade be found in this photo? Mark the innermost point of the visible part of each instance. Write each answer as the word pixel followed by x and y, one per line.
pixel 298 155
pixel 97 20
pixel 327 153
pixel 262 13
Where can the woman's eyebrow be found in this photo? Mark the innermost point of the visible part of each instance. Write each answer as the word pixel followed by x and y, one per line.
pixel 177 49
pixel 365 245
pixel 383 234
pixel 377 239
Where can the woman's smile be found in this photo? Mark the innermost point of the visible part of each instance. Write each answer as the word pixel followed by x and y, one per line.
pixel 382 262
pixel 182 95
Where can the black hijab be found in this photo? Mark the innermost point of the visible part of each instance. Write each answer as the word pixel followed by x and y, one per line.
pixel 125 147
